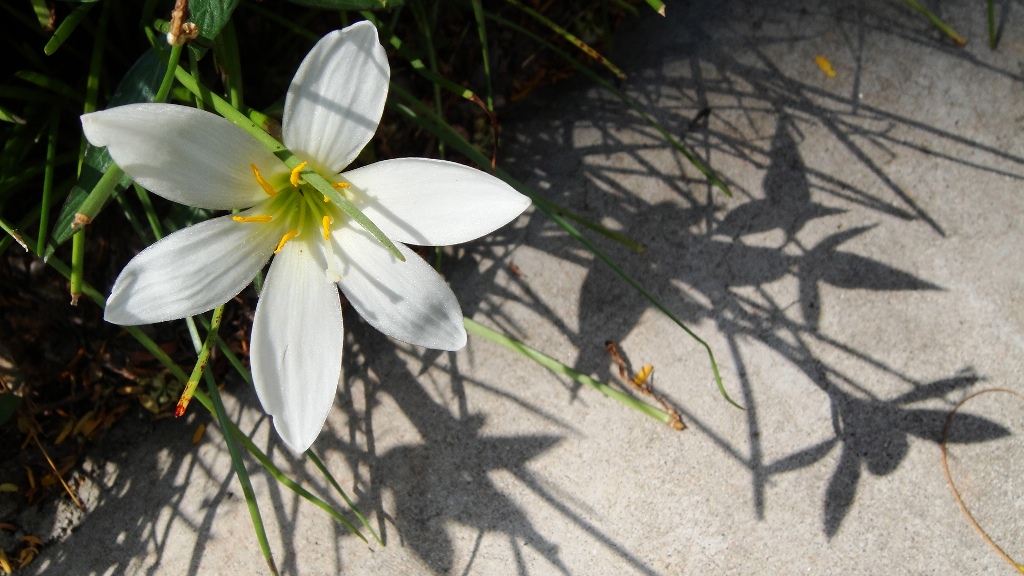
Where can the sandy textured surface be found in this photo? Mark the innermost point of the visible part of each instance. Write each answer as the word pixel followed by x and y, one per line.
pixel 865 276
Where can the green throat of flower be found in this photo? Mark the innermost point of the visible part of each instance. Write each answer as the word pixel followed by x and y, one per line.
pixel 299 209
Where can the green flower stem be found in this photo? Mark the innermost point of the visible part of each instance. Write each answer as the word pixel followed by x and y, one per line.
pixel 337 487
pixel 51 162
pixel 168 79
pixel 201 361
pixel 557 367
pixel 99 195
pixel 225 109
pixel 422 115
pixel 77 265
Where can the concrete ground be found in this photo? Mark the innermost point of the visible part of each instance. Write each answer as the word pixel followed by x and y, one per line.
pixel 865 276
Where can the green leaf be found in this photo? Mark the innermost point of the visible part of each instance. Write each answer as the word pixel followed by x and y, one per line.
pixel 8 406
pixel 139 84
pixel 210 16
pixel 350 4
pixel 65 29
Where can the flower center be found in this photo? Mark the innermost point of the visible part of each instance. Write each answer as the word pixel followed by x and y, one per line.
pixel 300 210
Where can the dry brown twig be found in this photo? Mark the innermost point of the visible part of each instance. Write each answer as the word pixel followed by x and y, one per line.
pixel 643 382
pixel 952 486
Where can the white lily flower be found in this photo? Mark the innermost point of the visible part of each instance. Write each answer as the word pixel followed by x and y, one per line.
pixel 332 109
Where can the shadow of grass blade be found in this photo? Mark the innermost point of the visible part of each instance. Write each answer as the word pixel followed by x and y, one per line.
pixel 416 111
pixel 704 169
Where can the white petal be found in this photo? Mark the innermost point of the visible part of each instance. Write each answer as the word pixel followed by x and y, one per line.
pixel 433 202
pixel 297 340
pixel 408 300
pixel 190 271
pixel 336 99
pixel 185 155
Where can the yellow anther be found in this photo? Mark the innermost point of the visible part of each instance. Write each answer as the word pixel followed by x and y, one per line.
pixel 263 183
pixel 295 174
pixel 257 218
pixel 326 222
pixel 326 199
pixel 284 239
pixel 337 185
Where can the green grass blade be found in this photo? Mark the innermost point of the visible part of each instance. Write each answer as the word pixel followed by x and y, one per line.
pixel 51 84
pixel 13 234
pixel 481 31
pixel 147 207
pixel 620 238
pixel 289 24
pixel 337 487
pixel 937 22
pixel 92 81
pixel 569 37
pixel 51 163
pixel 417 64
pixel 225 52
pixel 42 12
pixel 133 219
pixel 265 461
pixel 464 147
pixel 474 327
pixel 243 475
pixel 8 116
pixel 658 6
pixel 66 27
pixel 424 24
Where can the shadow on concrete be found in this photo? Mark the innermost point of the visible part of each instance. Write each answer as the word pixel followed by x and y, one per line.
pixel 737 107
pixel 707 263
